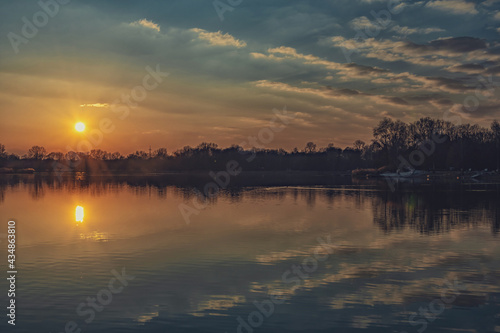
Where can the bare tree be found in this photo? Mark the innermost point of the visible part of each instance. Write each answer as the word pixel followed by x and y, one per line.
pixel 392 136
pixel 138 155
pixel 37 152
pixel 56 156
pixel 310 148
pixel 98 154
pixel 72 156
pixel 160 153
pixel 359 145
pixel 116 156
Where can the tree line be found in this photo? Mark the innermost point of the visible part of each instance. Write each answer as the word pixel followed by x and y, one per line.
pixel 429 144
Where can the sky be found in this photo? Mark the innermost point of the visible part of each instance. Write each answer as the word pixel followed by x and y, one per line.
pixel 336 68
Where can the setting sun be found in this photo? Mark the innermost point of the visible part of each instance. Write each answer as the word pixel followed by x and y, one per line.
pixel 80 127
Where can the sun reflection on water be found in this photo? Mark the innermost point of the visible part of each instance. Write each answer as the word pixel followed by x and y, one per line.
pixel 79 214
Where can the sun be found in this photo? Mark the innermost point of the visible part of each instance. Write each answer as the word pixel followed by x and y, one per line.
pixel 80 127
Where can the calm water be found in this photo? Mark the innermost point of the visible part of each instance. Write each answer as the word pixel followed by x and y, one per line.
pixel 337 258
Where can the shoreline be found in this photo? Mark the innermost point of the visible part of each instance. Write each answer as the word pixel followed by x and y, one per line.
pixel 256 178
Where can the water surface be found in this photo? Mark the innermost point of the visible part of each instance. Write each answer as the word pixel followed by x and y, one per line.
pixel 392 256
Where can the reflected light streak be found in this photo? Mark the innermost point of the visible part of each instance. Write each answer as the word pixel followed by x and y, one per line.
pixel 79 214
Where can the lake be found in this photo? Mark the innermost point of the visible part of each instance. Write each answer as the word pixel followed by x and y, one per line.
pixel 129 254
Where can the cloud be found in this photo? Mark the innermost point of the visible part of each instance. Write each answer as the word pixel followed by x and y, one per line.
pixel 410 31
pixel 455 44
pixel 324 93
pixel 453 6
pixel 335 94
pixel 218 72
pixel 490 2
pixel 346 91
pixel 466 68
pixel 95 105
pixel 437 98
pixel 155 131
pixel 402 5
pixel 441 52
pixel 484 109
pixel 493 70
pixel 361 23
pixel 258 55
pixel 146 23
pixel 291 52
pixel 219 39
pixel 355 71
pixel 396 100
pixel 497 16
pixel 448 83
pixel 344 71
pixel 445 53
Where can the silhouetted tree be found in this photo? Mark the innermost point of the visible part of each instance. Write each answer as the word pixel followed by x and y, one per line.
pixel 37 152
pixel 463 146
pixel 161 153
pixel 359 145
pixel 98 154
pixel 310 148
pixel 72 156
pixel 56 156
pixel 138 155
pixel 3 154
pixel 392 136
pixel 116 156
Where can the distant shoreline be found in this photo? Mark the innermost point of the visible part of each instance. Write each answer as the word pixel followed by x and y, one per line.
pixel 186 172
pixel 200 178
